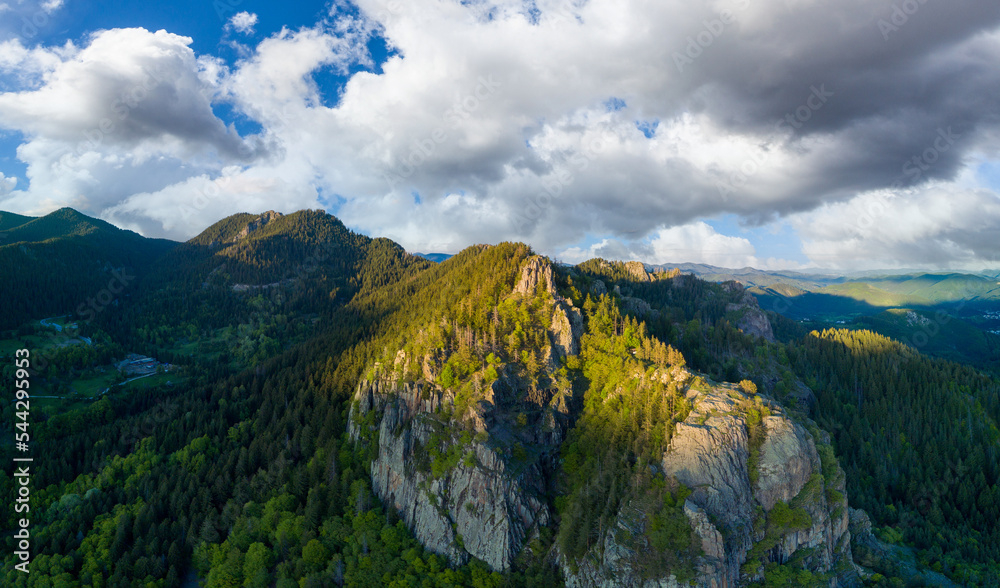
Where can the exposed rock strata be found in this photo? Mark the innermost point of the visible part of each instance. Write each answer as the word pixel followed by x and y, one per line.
pixel 483 509
pixel 709 454
pixel 490 503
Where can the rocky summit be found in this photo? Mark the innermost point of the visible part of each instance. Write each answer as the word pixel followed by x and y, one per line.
pixel 760 484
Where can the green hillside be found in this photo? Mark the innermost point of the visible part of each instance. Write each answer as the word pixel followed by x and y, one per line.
pixel 242 295
pixel 59 263
pixel 60 224
pixel 941 288
pixel 873 295
pixel 936 333
pixel 9 220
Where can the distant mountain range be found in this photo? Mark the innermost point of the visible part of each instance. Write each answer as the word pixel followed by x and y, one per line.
pixel 810 281
pixel 950 315
pixel 818 294
pixel 435 257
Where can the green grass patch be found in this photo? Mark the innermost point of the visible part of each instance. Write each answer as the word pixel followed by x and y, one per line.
pixel 94 385
pixel 32 342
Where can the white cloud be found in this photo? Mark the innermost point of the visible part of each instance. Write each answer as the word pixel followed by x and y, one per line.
pixel 29 67
pixel 490 122
pixel 129 113
pixel 50 6
pixel 243 22
pixel 7 185
pixel 691 243
pixel 937 226
pixel 197 202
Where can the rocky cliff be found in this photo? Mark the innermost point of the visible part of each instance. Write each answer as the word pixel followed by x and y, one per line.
pixel 258 223
pixel 472 464
pixel 751 319
pixel 481 505
pixel 472 480
pixel 756 498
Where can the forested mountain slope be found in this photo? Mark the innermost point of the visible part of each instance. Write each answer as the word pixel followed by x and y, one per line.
pixel 506 423
pixel 917 436
pixel 350 414
pixel 63 262
pixel 251 286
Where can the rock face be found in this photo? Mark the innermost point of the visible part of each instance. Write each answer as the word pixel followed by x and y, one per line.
pixel 487 500
pixel 567 327
pixel 752 321
pixel 258 223
pixel 637 271
pixel 471 476
pixel 478 508
pixel 709 454
pixel 536 271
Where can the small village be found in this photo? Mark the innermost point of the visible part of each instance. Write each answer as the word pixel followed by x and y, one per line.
pixel 141 365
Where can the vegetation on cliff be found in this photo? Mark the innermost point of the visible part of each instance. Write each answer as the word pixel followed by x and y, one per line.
pixel 244 472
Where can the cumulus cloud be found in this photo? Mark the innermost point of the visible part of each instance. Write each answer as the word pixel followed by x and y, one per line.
pixel 6 185
pixel 507 112
pixel 131 112
pixel 243 22
pixel 940 225
pixel 549 124
pixel 203 199
pixel 50 6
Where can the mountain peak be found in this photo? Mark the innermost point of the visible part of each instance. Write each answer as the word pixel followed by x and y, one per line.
pixel 64 222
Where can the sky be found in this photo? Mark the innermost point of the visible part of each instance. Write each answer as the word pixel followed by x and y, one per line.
pixel 778 134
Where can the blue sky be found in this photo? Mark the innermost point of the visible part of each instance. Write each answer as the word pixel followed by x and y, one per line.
pixel 577 128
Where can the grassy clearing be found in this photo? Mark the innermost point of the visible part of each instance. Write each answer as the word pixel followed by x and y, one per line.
pixel 91 387
pixel 33 342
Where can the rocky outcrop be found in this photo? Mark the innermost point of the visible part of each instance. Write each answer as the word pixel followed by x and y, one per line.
pixel 752 320
pixel 710 454
pixel 567 321
pixel 471 477
pixel 479 507
pixel 536 271
pixel 470 480
pixel 567 327
pixel 475 508
pixel 615 564
pixel 637 271
pixel 258 223
pixel 787 460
